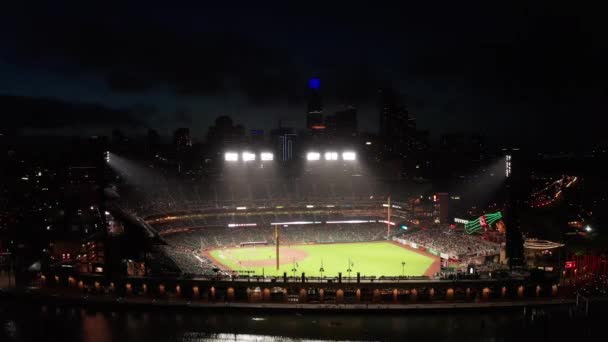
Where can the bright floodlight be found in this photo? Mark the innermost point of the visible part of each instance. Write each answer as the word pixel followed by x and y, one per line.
pixel 248 156
pixel 231 156
pixel 266 156
pixel 349 155
pixel 331 155
pixel 588 229
pixel 313 156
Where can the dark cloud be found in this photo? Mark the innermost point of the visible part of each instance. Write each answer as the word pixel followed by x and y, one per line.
pixel 137 56
pixel 467 64
pixel 47 114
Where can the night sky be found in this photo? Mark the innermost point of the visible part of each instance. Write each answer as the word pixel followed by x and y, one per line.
pixel 531 73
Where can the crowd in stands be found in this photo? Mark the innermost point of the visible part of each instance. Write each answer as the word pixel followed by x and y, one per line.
pixel 226 219
pixel 190 262
pixel 453 243
pixel 205 238
pixel 209 209
pixel 169 197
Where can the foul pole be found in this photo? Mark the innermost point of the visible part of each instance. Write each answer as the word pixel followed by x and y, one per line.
pixel 388 218
pixel 276 239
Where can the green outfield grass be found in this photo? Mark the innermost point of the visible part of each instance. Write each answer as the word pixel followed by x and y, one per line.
pixel 368 258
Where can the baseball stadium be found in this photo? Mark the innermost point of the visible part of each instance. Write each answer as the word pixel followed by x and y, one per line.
pixel 368 234
pixel 317 232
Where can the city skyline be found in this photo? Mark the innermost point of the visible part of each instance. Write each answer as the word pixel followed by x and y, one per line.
pixel 473 68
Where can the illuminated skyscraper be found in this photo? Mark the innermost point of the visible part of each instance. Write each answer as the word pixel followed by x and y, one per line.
pixel 314 115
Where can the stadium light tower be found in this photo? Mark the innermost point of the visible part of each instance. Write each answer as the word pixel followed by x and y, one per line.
pixel 331 155
pixel 106 156
pixel 313 156
pixel 248 156
pixel 266 156
pixel 231 156
pixel 349 156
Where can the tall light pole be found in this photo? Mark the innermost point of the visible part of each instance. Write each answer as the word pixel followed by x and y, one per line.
pixel 388 218
pixel 276 239
pixel 403 268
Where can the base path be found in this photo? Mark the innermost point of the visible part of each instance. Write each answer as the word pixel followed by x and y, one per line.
pixel 288 255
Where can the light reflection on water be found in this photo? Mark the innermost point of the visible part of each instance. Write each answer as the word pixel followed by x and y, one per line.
pixel 198 337
pixel 73 324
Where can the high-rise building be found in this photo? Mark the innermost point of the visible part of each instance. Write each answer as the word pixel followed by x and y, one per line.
pixel 516 188
pixel 343 122
pixel 153 141
pixel 453 143
pixel 394 122
pixel 478 148
pixel 181 139
pixel 256 136
pixel 440 204
pixel 287 146
pixel 225 133
pixel 314 114
pixel 285 142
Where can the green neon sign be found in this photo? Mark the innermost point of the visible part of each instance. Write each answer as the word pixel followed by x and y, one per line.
pixel 481 222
